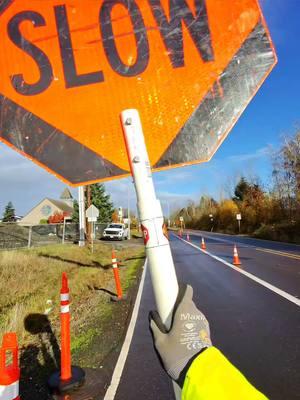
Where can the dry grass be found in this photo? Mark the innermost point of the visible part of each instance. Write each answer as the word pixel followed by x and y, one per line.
pixel 30 283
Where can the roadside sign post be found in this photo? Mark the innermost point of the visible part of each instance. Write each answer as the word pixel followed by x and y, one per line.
pixel 181 223
pixel 128 214
pixel 239 218
pixel 93 235
pixel 92 214
pixel 212 222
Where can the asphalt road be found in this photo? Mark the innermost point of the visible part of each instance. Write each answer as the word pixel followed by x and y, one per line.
pixel 257 329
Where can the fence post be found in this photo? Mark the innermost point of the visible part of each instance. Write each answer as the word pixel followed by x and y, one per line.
pixel 29 237
pixel 64 231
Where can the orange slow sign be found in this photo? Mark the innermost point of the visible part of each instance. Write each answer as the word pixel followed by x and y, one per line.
pixel 68 68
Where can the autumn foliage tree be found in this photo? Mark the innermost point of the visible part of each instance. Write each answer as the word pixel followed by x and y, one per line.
pixel 57 218
pixel 115 216
pixel 273 214
pixel 226 215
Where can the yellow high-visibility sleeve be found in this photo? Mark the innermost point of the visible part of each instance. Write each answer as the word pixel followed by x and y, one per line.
pixel 212 377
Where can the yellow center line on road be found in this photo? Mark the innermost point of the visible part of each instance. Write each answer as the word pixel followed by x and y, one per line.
pixel 279 253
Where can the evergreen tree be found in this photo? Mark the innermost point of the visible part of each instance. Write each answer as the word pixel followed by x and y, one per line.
pixel 101 200
pixel 9 213
pixel 241 190
pixel 75 214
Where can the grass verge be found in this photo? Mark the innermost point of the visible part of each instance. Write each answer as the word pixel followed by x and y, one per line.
pixel 29 305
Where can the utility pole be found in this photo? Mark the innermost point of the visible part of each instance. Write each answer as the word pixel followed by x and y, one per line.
pixel 128 213
pixel 81 205
pixel 89 203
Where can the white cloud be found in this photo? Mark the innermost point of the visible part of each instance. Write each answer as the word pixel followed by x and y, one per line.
pixel 170 199
pixel 173 176
pixel 23 182
pixel 262 152
pixel 26 184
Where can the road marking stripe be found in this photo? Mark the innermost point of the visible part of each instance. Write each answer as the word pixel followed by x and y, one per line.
pixel 240 244
pixel 267 285
pixel 115 380
pixel 279 253
pixel 195 232
pixel 216 239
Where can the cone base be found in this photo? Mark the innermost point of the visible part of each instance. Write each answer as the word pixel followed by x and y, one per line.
pixel 94 388
pixel 58 386
pixel 237 263
pixel 116 299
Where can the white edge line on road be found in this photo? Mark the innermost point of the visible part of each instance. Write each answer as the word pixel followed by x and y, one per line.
pixel 116 377
pixel 267 285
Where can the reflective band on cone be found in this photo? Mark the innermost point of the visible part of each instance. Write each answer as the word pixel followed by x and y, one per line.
pixel 9 373
pixel 65 309
pixel 116 275
pixel 64 297
pixel 9 392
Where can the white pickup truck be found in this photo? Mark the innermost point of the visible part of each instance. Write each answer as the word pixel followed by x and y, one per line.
pixel 115 231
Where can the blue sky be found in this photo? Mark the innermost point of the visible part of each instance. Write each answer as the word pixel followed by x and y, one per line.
pixel 274 112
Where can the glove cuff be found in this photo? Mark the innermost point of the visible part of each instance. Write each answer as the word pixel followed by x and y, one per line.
pixel 183 373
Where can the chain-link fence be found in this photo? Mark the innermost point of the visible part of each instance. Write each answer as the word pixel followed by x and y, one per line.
pixel 13 235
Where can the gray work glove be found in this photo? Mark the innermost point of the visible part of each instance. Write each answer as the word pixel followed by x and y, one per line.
pixel 187 337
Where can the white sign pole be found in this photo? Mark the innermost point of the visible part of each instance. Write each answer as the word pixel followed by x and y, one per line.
pixel 92 214
pixel 157 245
pixel 239 217
pixel 93 224
pixel 158 250
pixel 81 207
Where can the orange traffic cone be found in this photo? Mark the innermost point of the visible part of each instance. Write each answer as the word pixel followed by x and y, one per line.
pixel 70 376
pixel 236 260
pixel 203 245
pixel 9 371
pixel 116 275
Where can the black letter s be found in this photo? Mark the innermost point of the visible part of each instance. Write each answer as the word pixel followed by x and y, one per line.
pixel 46 72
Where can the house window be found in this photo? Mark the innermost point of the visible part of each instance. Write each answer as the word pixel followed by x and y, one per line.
pixel 46 211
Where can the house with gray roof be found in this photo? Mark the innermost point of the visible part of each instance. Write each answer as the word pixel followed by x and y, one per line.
pixel 48 207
